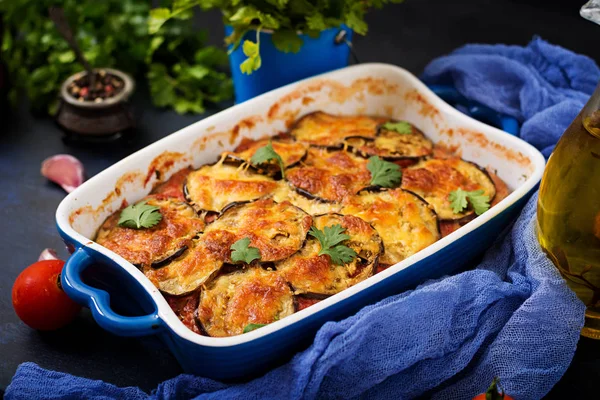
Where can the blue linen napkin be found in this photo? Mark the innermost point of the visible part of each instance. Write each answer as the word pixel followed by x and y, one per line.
pixel 513 316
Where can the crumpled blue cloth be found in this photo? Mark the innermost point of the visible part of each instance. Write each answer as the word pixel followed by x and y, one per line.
pixel 542 85
pixel 513 316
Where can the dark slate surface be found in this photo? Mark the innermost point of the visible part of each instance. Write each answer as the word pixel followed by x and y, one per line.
pixel 408 35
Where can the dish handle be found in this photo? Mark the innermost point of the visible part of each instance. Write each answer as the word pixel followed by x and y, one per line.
pixel 98 300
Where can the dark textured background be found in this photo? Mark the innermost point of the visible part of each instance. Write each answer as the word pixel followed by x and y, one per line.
pixel 408 35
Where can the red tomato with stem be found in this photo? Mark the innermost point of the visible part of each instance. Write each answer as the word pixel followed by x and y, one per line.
pixel 38 298
pixel 494 392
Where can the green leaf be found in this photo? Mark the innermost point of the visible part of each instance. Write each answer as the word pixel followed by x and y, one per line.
pixel 355 19
pixel 287 40
pixel 140 215
pixel 267 153
pixel 253 62
pixel 479 201
pixel 184 5
pixel 158 16
pixel 251 327
pixel 316 22
pixel 384 173
pixel 154 44
pixel 241 251
pixel 402 127
pixel 330 238
pixel 211 57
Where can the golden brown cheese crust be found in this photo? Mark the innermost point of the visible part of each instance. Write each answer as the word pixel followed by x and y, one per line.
pixel 330 175
pixel 212 187
pixel 286 192
pixel 434 179
pixel 249 296
pixel 290 152
pixel 310 273
pixel 322 129
pixel 392 145
pixel 186 273
pixel 277 230
pixel 405 222
pixel 179 224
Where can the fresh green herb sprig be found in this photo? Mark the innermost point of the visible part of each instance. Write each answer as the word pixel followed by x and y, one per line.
pixel 182 72
pixel 140 216
pixel 384 173
pixel 242 251
pixel 283 17
pixel 251 327
pixel 479 201
pixel 267 153
pixel 330 239
pixel 402 127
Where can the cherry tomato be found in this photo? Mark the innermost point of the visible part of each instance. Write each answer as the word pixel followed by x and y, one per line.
pixel 38 299
pixel 494 392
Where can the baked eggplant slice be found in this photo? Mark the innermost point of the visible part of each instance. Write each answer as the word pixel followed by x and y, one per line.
pixel 392 145
pixel 212 187
pixel 156 245
pixel 187 272
pixel 405 222
pixel 326 130
pixel 316 275
pixel 277 230
pixel 290 152
pixel 435 179
pixel 312 206
pixel 329 175
pixel 248 296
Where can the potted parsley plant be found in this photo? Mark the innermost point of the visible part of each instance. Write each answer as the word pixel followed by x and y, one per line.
pixel 275 42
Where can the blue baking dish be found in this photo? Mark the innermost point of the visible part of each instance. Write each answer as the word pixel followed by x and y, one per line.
pixel 373 89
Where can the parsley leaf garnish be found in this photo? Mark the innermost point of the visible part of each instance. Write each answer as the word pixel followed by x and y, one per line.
pixel 251 327
pixel 140 215
pixel 330 238
pixel 402 127
pixel 267 153
pixel 383 173
pixel 479 201
pixel 243 252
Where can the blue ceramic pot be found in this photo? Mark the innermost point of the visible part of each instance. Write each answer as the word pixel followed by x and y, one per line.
pixel 278 68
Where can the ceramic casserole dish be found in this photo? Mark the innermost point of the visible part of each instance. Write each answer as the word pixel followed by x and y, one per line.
pixel 367 89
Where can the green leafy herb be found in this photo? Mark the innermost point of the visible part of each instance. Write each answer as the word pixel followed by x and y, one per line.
pixel 139 216
pixel 384 173
pixel 243 252
pixel 402 127
pixel 330 238
pixel 252 51
pixel 251 327
pixel 479 201
pixel 267 153
pixel 182 72
pixel 284 17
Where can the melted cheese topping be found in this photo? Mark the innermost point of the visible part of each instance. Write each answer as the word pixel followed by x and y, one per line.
pixel 405 223
pixel 179 224
pixel 434 180
pixel 286 192
pixel 393 145
pixel 309 272
pixel 290 152
pixel 323 129
pixel 330 176
pixel 186 273
pixel 248 296
pixel 213 187
pixel 277 230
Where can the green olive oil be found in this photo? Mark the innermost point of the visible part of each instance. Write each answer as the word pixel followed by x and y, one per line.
pixel 568 210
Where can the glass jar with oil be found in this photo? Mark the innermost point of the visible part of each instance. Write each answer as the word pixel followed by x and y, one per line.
pixel 568 210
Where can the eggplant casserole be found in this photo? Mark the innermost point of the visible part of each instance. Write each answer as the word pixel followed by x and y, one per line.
pixel 282 223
